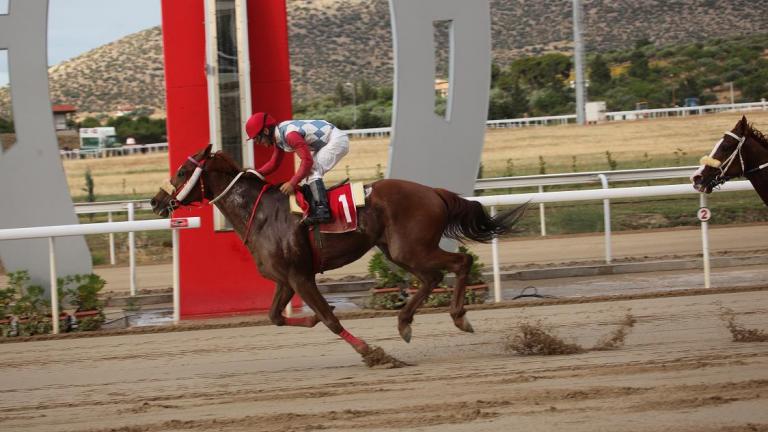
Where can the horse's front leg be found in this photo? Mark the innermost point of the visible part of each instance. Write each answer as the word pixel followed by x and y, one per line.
pixel 283 295
pixel 304 285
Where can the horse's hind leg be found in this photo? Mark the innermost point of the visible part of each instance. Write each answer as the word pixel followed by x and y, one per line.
pixel 282 297
pixel 428 271
pixel 306 287
pixel 429 279
pixel 458 313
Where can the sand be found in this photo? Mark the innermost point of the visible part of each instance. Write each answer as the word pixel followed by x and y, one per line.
pixel 678 370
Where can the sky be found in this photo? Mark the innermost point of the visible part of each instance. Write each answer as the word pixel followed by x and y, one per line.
pixel 77 26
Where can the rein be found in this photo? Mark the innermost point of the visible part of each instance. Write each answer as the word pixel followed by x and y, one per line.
pixel 253 212
pixel 232 183
pixel 197 176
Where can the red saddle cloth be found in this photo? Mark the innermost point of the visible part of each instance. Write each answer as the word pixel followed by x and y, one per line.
pixel 343 210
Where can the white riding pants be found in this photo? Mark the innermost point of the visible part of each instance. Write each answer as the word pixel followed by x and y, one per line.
pixel 327 157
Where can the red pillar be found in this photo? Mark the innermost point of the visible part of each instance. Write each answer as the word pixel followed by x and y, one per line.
pixel 218 274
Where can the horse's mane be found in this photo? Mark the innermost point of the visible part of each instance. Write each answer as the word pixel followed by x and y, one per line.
pixel 758 135
pixel 227 159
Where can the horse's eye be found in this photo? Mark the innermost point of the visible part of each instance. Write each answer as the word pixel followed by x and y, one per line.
pixel 181 173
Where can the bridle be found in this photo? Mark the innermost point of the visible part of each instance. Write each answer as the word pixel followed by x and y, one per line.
pixel 724 165
pixel 178 195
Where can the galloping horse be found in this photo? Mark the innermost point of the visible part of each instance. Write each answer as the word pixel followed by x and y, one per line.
pixel 405 220
pixel 742 152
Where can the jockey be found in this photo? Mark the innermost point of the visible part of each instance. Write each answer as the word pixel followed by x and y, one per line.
pixel 320 146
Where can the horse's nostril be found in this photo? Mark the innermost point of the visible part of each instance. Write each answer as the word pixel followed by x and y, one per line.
pixel 153 203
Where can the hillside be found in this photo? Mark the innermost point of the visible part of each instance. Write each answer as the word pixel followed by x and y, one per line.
pixel 356 41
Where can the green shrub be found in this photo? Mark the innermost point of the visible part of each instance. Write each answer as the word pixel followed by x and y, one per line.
pixel 387 273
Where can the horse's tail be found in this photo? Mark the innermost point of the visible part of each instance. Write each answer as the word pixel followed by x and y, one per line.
pixel 468 219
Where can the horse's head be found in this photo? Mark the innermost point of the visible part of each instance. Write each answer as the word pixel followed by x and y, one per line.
pixel 726 161
pixel 185 187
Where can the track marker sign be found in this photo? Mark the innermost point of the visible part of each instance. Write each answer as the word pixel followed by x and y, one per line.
pixel 179 223
pixel 704 214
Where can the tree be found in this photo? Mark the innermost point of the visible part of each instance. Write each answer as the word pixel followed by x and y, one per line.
pixel 90 122
pixel 638 65
pixel 542 71
pixel 6 126
pixel 599 75
pixel 689 88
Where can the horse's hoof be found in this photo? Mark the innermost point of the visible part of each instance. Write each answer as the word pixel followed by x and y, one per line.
pixel 405 333
pixel 464 325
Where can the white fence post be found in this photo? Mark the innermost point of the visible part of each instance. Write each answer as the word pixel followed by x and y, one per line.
pixel 606 220
pixel 176 278
pixel 496 273
pixel 542 215
pixel 54 287
pixel 705 241
pixel 132 252
pixel 112 258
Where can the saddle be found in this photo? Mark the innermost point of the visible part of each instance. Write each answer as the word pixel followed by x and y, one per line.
pixel 343 200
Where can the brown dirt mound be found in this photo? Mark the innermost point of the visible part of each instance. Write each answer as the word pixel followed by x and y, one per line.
pixel 616 338
pixel 377 357
pixel 739 333
pixel 537 339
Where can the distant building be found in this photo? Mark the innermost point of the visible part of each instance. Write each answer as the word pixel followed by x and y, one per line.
pixel 61 114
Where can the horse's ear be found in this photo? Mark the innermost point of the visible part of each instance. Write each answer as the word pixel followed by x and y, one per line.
pixel 207 151
pixel 742 125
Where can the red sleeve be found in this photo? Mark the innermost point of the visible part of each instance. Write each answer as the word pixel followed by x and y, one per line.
pixel 274 162
pixel 295 140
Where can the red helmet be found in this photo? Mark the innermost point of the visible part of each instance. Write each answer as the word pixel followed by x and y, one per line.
pixel 257 122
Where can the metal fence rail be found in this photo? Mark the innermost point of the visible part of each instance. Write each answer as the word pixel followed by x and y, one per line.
pixel 51 232
pixel 603 194
pixel 584 177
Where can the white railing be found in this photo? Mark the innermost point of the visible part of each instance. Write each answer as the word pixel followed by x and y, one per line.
pixel 51 232
pixel 118 151
pixel 602 177
pixel 110 207
pixel 603 194
pixel 584 177
pixel 609 116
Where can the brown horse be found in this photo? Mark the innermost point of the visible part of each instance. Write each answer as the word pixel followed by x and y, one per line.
pixel 405 220
pixel 742 152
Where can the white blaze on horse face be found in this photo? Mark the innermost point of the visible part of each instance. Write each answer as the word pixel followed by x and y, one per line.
pixel 420 138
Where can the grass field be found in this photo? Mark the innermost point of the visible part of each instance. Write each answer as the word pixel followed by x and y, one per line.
pixel 632 144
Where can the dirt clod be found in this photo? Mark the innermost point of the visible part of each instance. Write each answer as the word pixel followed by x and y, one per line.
pixel 739 333
pixel 536 339
pixel 616 338
pixel 377 357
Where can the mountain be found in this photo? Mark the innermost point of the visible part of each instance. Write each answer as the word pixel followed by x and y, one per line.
pixel 355 43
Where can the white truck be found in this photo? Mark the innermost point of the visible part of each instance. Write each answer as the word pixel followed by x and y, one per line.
pixel 94 141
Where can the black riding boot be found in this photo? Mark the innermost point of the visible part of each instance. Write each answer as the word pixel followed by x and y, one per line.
pixel 319 212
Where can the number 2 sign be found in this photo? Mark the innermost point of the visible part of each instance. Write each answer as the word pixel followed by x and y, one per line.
pixel 704 214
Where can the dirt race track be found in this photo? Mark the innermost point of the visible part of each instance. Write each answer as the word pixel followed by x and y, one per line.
pixel 679 371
